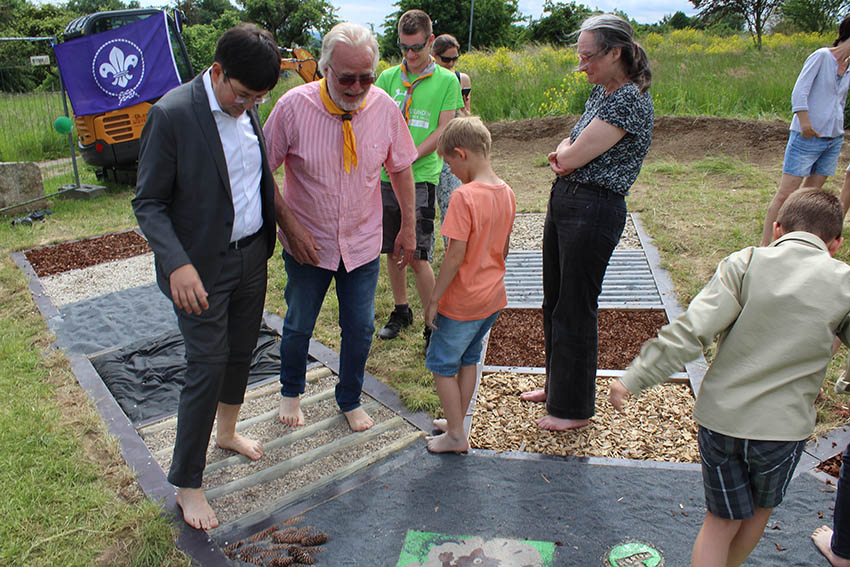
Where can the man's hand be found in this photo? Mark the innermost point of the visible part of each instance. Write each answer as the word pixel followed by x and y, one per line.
pixel 301 242
pixel 187 291
pixel 405 244
pixel 618 394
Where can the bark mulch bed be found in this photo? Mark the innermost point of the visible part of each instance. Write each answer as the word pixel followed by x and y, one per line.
pixel 831 466
pixel 84 253
pixel 657 425
pixel 516 338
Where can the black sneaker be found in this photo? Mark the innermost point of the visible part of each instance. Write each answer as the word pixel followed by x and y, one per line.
pixel 398 321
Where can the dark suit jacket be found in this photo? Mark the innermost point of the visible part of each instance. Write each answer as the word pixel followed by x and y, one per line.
pixel 183 201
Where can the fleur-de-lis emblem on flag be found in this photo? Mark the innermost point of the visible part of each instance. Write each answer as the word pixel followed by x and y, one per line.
pixel 119 67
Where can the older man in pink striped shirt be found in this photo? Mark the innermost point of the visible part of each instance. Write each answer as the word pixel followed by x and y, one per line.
pixel 333 136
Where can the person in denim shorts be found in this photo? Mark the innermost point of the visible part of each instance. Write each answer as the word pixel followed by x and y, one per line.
pixel 776 310
pixel 470 290
pixel 817 129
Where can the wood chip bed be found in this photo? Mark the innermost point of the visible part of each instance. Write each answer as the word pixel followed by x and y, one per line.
pixel 656 426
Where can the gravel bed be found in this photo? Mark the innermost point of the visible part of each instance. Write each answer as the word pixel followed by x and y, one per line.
pixel 86 283
pixel 280 454
pixel 232 506
pixel 262 431
pixel 527 233
pixel 658 425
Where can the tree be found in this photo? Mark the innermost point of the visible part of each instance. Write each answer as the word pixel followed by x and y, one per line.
pixel 560 23
pixel 291 21
pixel 814 15
pixel 493 22
pixel 754 12
pixel 84 7
pixel 679 21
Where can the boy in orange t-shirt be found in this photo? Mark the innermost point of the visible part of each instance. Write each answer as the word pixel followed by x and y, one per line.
pixel 470 290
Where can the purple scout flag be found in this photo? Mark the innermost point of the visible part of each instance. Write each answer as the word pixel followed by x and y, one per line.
pixel 119 67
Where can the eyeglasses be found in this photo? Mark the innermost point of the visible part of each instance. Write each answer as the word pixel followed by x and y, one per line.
pixel 349 80
pixel 448 59
pixel 239 99
pixel 585 57
pixel 417 47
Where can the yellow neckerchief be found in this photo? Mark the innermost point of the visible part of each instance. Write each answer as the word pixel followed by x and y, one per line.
pixel 349 144
pixel 408 97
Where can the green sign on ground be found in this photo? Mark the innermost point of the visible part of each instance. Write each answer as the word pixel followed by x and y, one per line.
pixel 428 549
pixel 635 554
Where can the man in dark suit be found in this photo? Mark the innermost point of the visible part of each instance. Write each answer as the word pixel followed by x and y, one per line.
pixel 205 201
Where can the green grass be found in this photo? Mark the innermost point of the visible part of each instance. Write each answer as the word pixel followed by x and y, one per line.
pixel 694 74
pixel 66 497
pixel 26 127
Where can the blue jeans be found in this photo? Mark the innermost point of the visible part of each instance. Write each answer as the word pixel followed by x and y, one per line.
pixel 583 225
pixel 306 287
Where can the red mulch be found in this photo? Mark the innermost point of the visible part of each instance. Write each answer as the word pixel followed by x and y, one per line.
pixel 517 337
pixel 84 253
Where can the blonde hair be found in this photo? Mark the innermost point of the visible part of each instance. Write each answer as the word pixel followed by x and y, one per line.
pixel 467 132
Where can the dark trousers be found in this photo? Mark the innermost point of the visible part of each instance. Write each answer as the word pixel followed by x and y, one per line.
pixel 841 519
pixel 582 228
pixel 219 345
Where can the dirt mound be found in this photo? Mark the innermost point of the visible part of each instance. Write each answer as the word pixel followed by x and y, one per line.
pixel 682 137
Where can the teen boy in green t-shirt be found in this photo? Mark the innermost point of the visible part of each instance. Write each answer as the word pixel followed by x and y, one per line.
pixel 428 96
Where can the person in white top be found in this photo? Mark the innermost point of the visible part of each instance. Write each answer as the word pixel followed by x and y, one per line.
pixel 817 129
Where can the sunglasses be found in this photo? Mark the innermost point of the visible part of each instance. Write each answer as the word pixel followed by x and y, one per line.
pixel 448 59
pixel 417 47
pixel 349 80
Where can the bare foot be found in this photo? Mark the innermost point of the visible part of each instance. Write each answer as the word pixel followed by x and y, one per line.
pixel 446 444
pixel 538 395
pixel 358 419
pixel 290 412
pixel 557 424
pixel 441 424
pixel 242 445
pixel 822 539
pixel 196 510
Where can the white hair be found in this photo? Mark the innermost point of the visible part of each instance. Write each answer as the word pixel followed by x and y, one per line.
pixel 352 35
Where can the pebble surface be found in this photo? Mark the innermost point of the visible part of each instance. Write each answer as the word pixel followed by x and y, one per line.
pixel 528 233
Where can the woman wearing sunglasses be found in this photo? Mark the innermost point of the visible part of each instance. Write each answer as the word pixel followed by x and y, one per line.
pixel 446 51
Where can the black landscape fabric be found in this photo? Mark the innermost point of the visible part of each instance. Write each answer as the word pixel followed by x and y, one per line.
pixel 145 377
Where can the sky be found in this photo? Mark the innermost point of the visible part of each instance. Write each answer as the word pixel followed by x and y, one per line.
pixel 643 11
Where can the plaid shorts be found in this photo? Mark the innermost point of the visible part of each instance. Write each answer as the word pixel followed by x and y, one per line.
pixel 740 474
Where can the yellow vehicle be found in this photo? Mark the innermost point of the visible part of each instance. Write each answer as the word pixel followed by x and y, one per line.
pixel 109 141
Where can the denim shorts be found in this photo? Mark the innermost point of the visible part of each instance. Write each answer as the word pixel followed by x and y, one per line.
pixel 811 156
pixel 739 474
pixel 456 343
